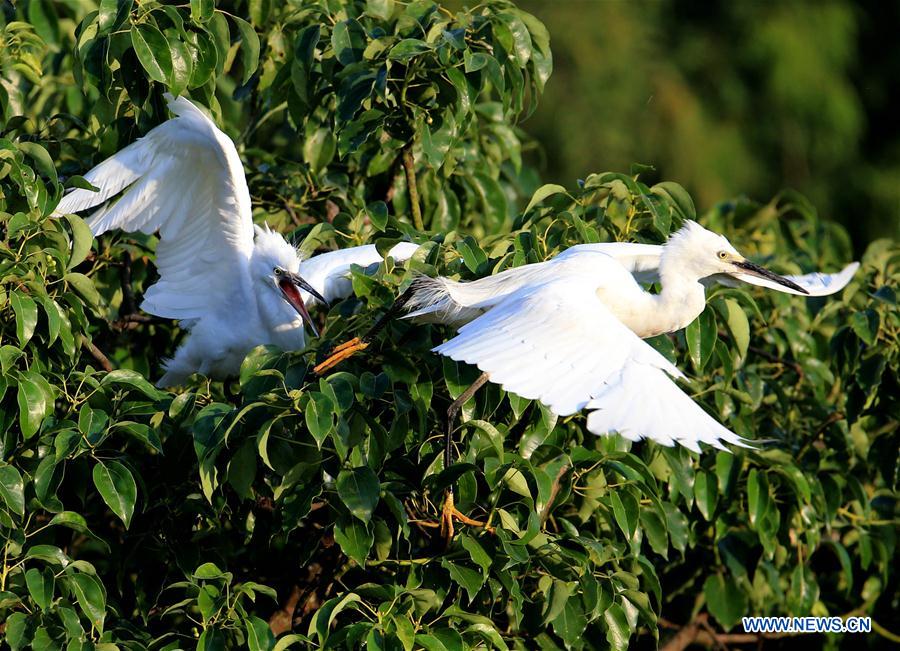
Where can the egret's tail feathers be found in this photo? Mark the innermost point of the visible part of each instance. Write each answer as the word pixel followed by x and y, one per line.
pixel 432 302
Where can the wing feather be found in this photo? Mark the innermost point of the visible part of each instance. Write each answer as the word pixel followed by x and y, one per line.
pixel 185 180
pixel 556 342
pixel 329 272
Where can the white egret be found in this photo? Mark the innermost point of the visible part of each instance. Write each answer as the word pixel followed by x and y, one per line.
pixel 568 332
pixel 232 284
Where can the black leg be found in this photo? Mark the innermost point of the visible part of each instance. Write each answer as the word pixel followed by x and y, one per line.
pixel 449 512
pixel 453 411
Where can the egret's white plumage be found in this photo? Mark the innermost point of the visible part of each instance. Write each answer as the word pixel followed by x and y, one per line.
pixel 568 331
pixel 225 279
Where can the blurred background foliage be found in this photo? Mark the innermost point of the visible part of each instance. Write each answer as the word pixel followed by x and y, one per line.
pixel 281 504
pixel 731 98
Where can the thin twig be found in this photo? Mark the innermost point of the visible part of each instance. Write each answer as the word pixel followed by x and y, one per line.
pixel 412 188
pixel 97 354
pixel 778 360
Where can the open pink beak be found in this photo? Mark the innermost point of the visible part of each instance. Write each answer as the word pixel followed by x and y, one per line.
pixel 290 284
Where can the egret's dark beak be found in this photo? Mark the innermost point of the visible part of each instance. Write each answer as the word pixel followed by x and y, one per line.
pixel 747 268
pixel 289 284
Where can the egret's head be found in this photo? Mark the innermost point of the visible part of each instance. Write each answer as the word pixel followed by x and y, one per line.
pixel 701 253
pixel 275 264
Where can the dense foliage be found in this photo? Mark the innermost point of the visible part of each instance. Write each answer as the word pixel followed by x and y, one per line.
pixel 281 509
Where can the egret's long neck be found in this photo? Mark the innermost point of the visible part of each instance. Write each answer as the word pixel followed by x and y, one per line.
pixel 682 297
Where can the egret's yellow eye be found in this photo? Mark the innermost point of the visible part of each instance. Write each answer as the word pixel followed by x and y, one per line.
pixel 723 255
pixel 276 271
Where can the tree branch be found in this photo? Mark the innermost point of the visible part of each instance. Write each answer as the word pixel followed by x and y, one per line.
pixel 97 354
pixel 412 188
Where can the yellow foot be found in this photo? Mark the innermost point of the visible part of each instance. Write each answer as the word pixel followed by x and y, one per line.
pixel 340 353
pixel 449 513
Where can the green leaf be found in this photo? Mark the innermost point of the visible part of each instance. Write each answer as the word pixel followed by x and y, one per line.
pixel 571 621
pixel 382 9
pixel 249 48
pixel 91 597
pixel 242 469
pixel 655 527
pixel 865 324
pixel 16 626
pixel 82 240
pixel 319 416
pixel 618 630
pixel 354 538
pixel 407 49
pixel 209 571
pixel 725 600
pixel 625 510
pixel 325 616
pixel 543 192
pixel 738 326
pixel 40 586
pixel 117 488
pixel 49 554
pixel 359 489
pixel 85 287
pixel 348 38
pixel 471 580
pixel 701 335
pixel 26 313
pixel 476 552
pixel 259 635
pixel 758 498
pixel 35 398
pixel 202 10
pixel 152 51
pixel 133 379
pixel 12 489
pixel 705 493
pixel 679 197
pixel 41 158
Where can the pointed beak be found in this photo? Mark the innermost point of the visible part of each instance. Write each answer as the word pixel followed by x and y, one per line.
pixel 289 284
pixel 756 275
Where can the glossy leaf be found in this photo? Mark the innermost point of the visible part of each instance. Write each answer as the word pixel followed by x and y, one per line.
pixel 116 484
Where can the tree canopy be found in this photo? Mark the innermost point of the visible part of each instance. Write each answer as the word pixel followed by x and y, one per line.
pixel 284 510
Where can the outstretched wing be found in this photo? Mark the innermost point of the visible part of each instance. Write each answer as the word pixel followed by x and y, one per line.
pixel 185 180
pixel 329 272
pixel 556 342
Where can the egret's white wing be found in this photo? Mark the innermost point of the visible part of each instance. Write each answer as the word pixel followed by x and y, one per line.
pixel 556 342
pixel 185 180
pixel 816 284
pixel 442 300
pixel 329 272
pixel 641 260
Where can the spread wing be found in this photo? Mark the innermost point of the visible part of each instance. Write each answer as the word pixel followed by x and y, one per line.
pixel 329 272
pixel 185 180
pixel 556 342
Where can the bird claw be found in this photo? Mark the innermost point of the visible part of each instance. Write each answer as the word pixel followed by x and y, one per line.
pixel 449 513
pixel 340 353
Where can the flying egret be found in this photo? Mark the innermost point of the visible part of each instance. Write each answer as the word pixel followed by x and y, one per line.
pixel 569 331
pixel 232 284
